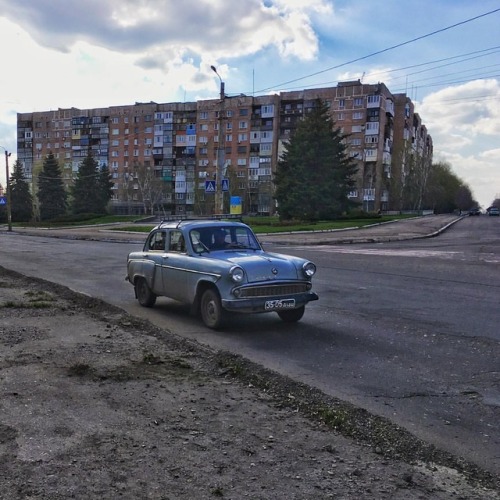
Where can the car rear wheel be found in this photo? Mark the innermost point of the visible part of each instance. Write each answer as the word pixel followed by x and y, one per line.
pixel 292 315
pixel 211 310
pixel 144 294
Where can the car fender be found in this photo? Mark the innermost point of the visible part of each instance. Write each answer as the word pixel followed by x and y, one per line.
pixel 143 268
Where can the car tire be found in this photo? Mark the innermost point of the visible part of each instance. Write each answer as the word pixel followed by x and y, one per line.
pixel 211 310
pixel 292 315
pixel 144 294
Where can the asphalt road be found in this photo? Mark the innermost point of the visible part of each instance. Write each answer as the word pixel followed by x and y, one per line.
pixel 406 329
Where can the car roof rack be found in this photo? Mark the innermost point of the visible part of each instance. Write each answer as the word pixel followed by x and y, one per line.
pixel 178 221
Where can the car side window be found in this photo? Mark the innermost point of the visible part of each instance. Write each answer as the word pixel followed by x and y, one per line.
pixel 157 241
pixel 177 242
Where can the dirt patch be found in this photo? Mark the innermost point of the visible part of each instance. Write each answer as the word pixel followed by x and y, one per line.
pixel 95 403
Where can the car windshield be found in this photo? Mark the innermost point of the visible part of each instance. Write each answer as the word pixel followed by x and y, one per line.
pixel 210 239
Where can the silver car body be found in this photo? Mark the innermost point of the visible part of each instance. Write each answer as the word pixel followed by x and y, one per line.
pixel 180 260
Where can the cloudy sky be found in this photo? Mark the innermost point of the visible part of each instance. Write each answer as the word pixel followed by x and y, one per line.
pixel 444 54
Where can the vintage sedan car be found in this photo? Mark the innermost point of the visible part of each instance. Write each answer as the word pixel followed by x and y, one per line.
pixel 217 267
pixel 494 211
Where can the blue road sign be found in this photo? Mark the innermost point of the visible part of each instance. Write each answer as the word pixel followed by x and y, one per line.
pixel 3 200
pixel 209 186
pixel 225 184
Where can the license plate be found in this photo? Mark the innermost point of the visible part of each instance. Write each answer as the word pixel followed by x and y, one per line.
pixel 279 304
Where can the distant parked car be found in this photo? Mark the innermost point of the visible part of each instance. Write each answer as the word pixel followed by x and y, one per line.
pixel 475 211
pixel 494 211
pixel 218 266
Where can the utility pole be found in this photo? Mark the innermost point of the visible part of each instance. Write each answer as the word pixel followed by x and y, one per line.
pixel 7 180
pixel 219 195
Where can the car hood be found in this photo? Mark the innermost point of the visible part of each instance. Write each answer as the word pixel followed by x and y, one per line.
pixel 265 266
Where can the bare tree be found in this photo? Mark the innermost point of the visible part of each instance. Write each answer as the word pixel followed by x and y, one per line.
pixel 143 184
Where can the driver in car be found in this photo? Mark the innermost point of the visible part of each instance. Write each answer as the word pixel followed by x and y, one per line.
pixel 219 240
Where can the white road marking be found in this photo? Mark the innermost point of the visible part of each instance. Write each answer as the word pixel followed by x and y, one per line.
pixel 439 254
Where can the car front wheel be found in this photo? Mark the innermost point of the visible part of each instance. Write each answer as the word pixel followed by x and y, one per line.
pixel 144 294
pixel 211 309
pixel 292 315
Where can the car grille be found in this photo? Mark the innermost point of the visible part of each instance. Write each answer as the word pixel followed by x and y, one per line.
pixel 277 290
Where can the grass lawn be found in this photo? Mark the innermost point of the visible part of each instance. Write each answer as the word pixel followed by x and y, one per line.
pixel 262 225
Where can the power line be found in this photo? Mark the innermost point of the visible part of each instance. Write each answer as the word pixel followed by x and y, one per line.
pixel 476 98
pixel 451 82
pixel 383 50
pixel 464 57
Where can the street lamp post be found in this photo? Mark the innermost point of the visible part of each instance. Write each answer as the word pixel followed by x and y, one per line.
pixel 7 183
pixel 219 195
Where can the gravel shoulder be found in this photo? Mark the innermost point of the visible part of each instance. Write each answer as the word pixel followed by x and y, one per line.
pixel 95 403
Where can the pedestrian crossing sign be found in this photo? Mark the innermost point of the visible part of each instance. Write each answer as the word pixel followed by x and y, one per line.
pixel 209 186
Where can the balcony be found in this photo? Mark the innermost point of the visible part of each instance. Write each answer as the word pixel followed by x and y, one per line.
pixel 389 107
pixel 370 155
pixel 373 101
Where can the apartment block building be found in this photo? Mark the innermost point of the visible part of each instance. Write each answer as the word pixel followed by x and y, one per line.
pixel 181 144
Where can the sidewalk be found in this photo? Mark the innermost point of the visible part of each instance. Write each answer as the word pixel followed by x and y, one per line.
pixel 407 229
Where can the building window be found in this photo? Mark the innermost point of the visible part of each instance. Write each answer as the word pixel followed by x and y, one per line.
pixel 268 110
pixel 374 100
pixel 357 115
pixel 358 101
pixel 372 128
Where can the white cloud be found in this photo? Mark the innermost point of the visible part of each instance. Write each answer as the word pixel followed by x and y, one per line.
pixel 469 110
pixel 150 26
pixel 464 122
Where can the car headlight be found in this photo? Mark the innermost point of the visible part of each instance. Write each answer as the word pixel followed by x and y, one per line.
pixel 309 269
pixel 237 274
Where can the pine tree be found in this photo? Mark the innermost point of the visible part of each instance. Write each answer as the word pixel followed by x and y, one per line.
pixel 315 174
pixel 51 193
pixel 21 199
pixel 86 195
pixel 105 189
